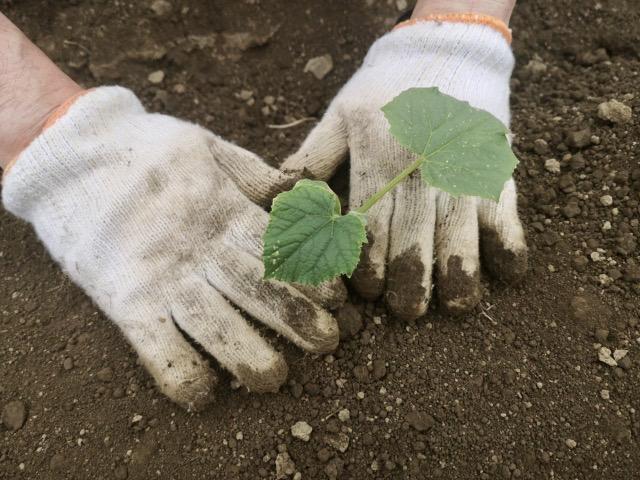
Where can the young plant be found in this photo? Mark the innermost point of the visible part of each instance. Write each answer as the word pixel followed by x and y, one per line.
pixel 460 150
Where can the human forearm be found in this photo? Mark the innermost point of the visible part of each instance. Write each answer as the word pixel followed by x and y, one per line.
pixel 31 87
pixel 501 9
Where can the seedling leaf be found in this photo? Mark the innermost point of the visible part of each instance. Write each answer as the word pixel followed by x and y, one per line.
pixel 466 150
pixel 308 240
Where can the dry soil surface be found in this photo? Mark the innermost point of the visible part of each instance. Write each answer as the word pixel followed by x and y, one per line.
pixel 514 390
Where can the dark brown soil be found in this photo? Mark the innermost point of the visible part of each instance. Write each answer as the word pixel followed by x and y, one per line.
pixel 505 392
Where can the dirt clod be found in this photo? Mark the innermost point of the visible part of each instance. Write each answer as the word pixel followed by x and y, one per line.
pixel 105 374
pixel 338 441
pixel 302 431
pixel 579 138
pixel 421 421
pixel 285 466
pixel 615 112
pixel 14 415
pixel 349 321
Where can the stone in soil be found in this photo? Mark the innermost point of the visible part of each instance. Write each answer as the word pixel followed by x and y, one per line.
pixel 604 355
pixel 606 200
pixel 552 165
pixel 344 415
pixel 620 354
pixel 320 66
pixel 156 77
pixel 302 431
pixel 285 466
pixel 339 441
pixel 14 415
pixel 615 112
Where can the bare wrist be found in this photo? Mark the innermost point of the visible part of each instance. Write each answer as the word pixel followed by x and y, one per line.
pixel 31 88
pixel 501 9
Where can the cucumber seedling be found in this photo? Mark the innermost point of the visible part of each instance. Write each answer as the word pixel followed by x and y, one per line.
pixel 459 149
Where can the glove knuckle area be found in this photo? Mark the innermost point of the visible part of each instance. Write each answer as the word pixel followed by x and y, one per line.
pixel 277 305
pixel 330 295
pixel 316 330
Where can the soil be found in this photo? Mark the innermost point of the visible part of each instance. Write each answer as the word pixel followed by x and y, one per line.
pixel 514 390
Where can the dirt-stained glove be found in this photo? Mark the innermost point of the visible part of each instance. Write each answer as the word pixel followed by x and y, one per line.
pixel 152 217
pixel 465 57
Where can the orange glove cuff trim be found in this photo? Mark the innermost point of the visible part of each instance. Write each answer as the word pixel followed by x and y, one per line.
pixel 487 20
pixel 53 118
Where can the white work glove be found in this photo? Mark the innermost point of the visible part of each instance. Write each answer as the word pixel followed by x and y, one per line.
pixel 471 62
pixel 148 214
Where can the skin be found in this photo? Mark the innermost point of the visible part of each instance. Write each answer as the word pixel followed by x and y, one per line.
pixel 501 9
pixel 42 85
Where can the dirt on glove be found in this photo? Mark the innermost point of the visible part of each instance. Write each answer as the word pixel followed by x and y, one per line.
pixel 540 381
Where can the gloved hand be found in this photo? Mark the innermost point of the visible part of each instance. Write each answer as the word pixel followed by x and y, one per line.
pixel 415 226
pixel 152 217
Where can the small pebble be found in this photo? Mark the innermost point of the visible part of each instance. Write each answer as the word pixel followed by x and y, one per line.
pixel 571 443
pixel 552 165
pixel 156 77
pixel 67 364
pixel 604 355
pixel 606 200
pixel 615 112
pixel 14 415
pixel 619 354
pixel 302 430
pixel 320 66
pixel 344 415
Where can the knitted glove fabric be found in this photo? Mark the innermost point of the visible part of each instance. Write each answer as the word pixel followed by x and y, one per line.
pixel 415 226
pixel 152 217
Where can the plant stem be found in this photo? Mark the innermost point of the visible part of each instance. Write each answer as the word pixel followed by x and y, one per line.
pixel 375 198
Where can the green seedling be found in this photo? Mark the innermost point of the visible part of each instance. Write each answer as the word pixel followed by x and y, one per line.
pixel 459 149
